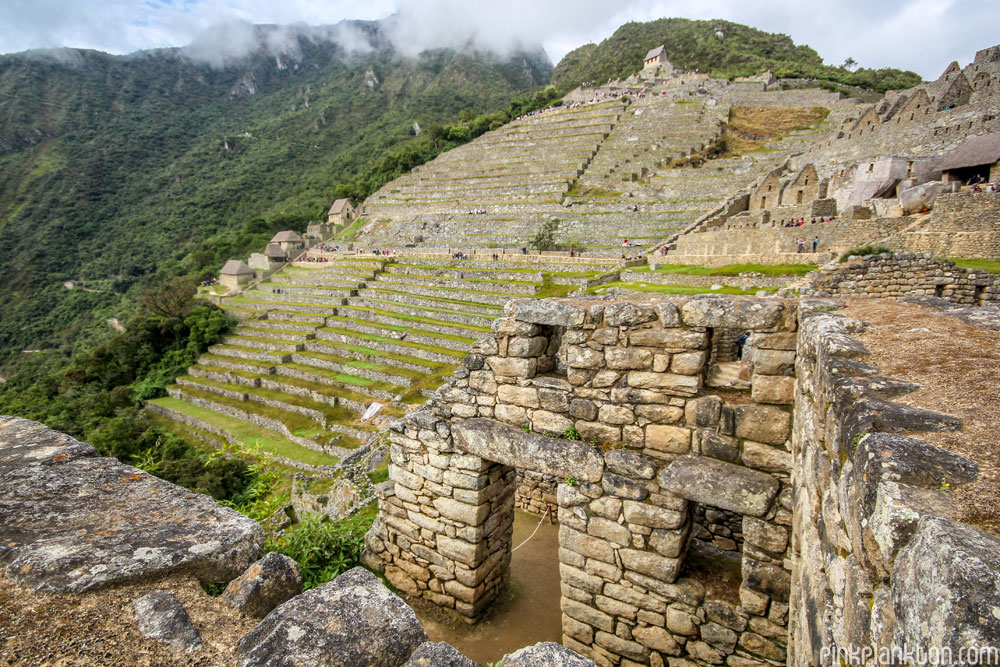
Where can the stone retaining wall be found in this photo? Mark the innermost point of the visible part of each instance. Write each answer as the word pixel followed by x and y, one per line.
pixel 877 562
pixel 907 274
pixel 536 492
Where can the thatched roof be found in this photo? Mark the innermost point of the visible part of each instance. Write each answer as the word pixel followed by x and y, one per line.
pixel 338 206
pixel 274 250
pixel 286 237
pixel 235 267
pixel 657 52
pixel 984 149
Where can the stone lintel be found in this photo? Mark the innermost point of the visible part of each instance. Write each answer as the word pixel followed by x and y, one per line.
pixel 511 446
pixel 724 485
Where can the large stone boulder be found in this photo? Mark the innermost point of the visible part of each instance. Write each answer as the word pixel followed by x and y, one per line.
pixel 438 654
pixel 73 520
pixel 731 487
pixel 162 617
pixel 920 197
pixel 352 621
pixel 549 654
pixel 273 579
pixel 945 588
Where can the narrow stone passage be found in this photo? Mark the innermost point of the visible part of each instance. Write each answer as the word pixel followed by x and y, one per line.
pixel 527 614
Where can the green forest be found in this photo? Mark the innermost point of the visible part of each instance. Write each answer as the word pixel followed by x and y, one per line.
pixel 695 46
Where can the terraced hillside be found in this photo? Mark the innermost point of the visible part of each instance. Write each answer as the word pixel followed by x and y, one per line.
pixel 587 167
pixel 318 343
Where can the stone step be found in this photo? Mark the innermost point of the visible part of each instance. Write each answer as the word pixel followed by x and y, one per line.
pixel 269 304
pixel 508 287
pixel 297 291
pixel 461 273
pixel 274 331
pixel 408 333
pixel 261 343
pixel 436 300
pixel 382 391
pixel 351 366
pixel 413 349
pixel 386 358
pixel 442 314
pixel 422 323
pixel 253 354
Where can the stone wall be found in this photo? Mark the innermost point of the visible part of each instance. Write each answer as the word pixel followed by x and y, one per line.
pixel 878 565
pixel 536 492
pixel 647 456
pixel 907 274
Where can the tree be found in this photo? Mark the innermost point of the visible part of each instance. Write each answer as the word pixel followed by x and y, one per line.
pixel 545 239
pixel 850 63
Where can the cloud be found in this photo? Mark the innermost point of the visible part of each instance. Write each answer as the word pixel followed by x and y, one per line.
pixel 924 35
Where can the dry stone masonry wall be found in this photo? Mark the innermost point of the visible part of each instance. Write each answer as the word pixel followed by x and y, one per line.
pixel 879 565
pixel 614 398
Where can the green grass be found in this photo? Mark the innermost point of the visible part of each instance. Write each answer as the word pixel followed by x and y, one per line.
pixel 991 265
pixel 674 289
pixel 731 269
pixel 372 338
pixel 549 289
pixel 250 433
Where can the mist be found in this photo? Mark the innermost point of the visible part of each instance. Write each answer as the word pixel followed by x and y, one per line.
pixel 923 35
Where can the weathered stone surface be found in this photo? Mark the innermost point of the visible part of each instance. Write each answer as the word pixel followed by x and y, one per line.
pixel 765 535
pixel 623 487
pixel 438 654
pixel 721 484
pixel 666 438
pixel 669 383
pixel 545 653
pixel 545 311
pixel 630 464
pixel 628 358
pixel 352 621
pixel 267 583
pixel 730 313
pixel 504 444
pixel 513 366
pixel 773 362
pixel 56 494
pixel 763 423
pixel 718 446
pixel 766 578
pixel 651 564
pixel 765 457
pixel 703 411
pixel 657 639
pixel 945 589
pixel 774 389
pixel 161 616
pixel 644 514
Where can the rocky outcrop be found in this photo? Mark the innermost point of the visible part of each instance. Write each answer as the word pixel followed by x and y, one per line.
pixel 438 654
pixel 161 616
pixel 273 579
pixel 74 520
pixel 545 653
pixel 352 621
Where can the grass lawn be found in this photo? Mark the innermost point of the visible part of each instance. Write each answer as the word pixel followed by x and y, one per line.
pixel 991 265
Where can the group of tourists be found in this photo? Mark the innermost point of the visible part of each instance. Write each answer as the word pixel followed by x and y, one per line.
pixel 314 258
pixel 633 208
pixel 475 211
pixel 802 221
pixel 209 282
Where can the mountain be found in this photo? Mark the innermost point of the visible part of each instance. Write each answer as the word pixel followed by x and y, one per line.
pixel 720 48
pixel 119 171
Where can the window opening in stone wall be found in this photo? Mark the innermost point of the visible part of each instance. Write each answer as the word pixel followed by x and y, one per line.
pixel 728 351
pixel 979 295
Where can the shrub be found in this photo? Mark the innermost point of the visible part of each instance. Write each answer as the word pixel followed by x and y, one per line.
pixel 861 251
pixel 323 549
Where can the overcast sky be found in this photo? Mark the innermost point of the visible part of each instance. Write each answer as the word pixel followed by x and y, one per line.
pixel 922 35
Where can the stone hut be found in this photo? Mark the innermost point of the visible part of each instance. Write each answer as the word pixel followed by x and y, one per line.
pixel 867 124
pixel 956 95
pixel 341 212
pixel 978 157
pixel 804 188
pixel 235 273
pixel 275 253
pixel 917 106
pixel 768 192
pixel 655 58
pixel 288 240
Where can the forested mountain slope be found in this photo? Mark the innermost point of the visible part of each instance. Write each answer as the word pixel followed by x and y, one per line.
pixel 115 170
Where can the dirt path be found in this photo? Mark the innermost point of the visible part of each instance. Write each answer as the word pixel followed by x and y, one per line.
pixel 958 369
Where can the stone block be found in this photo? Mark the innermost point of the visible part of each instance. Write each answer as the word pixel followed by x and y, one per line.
pixel 669 340
pixel 767 536
pixel 718 636
pixel 525 397
pixel 630 464
pixel 720 484
pixel 587 614
pixel 598 432
pixel 267 583
pixel 615 414
pixel 762 647
pixel 659 414
pixel 667 438
pixel 520 346
pixel 553 400
pixel 766 578
pixel 579 579
pixel 582 408
pixel 583 357
pixel 545 311
pixel 774 362
pixel 607 507
pixel 437 654
pixel 667 542
pixel 644 514
pixel 627 314
pixel 718 446
pixel 472 515
pixel 627 358
pixel 764 457
pixel 688 363
pixel 623 487
pixel 581 632
pixel 512 366
pixel 668 314
pixel 763 423
pixel 468 554
pixel 604 336
pixel 543 421
pixel 682 623
pixel 504 444
pixel 668 383
pixel 586 545
pixel 508 326
pixel 657 639
pixel 609 530
pixel 732 313
pixel 725 614
pixel 773 389
pixel 619 646
pixel 704 411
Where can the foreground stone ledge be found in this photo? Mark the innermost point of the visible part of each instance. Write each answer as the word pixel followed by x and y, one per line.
pixel 720 484
pixel 57 496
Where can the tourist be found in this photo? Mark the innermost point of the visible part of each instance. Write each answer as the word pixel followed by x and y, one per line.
pixel 815 243
pixel 801 244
